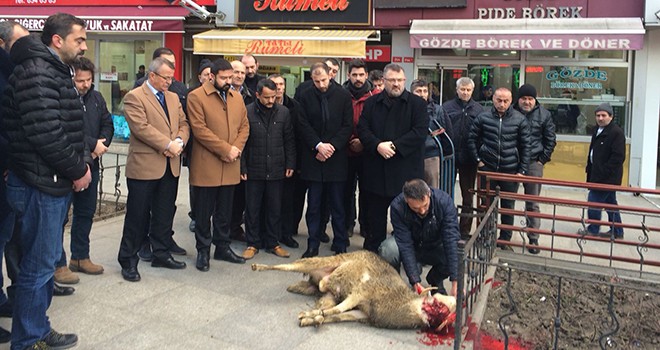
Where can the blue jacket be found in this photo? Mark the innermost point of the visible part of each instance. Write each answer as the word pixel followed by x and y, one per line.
pixel 432 240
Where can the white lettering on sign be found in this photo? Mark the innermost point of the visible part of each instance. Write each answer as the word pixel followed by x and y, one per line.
pixel 530 12
pixel 131 25
pixel 373 54
pixel 503 42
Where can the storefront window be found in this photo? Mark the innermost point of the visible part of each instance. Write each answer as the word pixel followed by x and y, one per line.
pixel 572 93
pixel 549 54
pixel 487 78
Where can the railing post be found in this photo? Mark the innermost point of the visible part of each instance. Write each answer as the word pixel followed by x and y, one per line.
pixel 458 324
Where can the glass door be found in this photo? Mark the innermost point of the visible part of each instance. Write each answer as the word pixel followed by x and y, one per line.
pixel 442 81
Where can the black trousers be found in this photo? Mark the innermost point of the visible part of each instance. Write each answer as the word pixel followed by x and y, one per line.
pixel 505 186
pixel 467 175
pixel 238 206
pixel 317 193
pixel 150 203
pixel 263 202
pixel 213 202
pixel 293 204
pixel 354 178
pixel 377 206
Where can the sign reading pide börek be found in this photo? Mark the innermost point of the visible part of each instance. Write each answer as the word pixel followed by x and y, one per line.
pixel 316 12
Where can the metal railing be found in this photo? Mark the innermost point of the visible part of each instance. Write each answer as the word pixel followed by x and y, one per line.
pixel 114 172
pixel 478 257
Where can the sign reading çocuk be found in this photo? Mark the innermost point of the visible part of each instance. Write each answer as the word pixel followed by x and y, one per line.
pixel 316 12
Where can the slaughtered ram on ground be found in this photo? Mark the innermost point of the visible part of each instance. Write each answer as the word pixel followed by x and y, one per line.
pixel 360 286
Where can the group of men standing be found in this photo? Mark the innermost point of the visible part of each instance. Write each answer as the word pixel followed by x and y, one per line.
pixel 240 127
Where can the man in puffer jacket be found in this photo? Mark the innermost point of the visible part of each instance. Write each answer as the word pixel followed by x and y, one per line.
pixel 499 142
pixel 461 111
pixel 43 117
pixel 543 141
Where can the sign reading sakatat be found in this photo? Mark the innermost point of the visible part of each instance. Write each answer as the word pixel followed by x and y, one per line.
pixel 107 25
pixel 528 42
pixel 316 12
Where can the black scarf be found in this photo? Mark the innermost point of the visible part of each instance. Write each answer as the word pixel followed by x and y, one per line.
pixel 358 92
pixel 325 108
pixel 265 112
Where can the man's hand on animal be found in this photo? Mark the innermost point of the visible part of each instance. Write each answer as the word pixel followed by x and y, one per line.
pixel 386 149
pixel 360 286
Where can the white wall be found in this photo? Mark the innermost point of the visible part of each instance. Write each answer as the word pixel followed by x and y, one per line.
pixel 401 48
pixel 645 112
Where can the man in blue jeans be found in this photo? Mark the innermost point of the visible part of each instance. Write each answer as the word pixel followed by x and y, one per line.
pixel 98 135
pixel 607 152
pixel 43 118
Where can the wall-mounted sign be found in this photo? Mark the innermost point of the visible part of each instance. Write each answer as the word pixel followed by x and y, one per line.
pixel 308 12
pixel 530 12
pixel 529 42
pixel 397 59
pixel 107 25
pixel 391 4
pixel 567 78
pixel 96 2
pixel 378 53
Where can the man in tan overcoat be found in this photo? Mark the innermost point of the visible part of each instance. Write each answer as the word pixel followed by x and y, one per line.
pixel 159 131
pixel 218 119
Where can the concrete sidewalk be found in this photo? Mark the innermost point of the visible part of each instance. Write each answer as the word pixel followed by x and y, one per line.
pixel 229 307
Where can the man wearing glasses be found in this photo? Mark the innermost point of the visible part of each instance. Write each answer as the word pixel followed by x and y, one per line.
pixel 159 132
pixel 392 128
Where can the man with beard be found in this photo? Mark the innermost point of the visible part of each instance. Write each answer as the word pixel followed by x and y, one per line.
pixel 43 118
pixel 218 119
pixel 251 76
pixel 269 157
pixel 159 132
pixel 461 111
pixel 325 126
pixel 499 142
pixel 392 129
pixel 294 188
pixel 360 89
pixel 542 136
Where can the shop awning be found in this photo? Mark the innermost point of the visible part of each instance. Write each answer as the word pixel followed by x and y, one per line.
pixel 141 19
pixel 282 42
pixel 529 34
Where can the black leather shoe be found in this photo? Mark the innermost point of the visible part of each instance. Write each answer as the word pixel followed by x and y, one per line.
pixel 339 251
pixel 6 309
pixel 202 261
pixel 227 254
pixel 175 249
pixel 57 340
pixel 533 246
pixel 324 237
pixel 311 252
pixel 131 274
pixel 145 253
pixel 5 336
pixel 62 291
pixel 169 263
pixel 289 242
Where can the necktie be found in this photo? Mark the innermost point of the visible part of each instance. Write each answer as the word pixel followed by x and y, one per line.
pixel 161 99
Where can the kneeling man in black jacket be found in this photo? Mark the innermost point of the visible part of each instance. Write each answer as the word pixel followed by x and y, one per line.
pixel 425 224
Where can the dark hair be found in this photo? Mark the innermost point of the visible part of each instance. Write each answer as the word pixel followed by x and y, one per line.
pixel 60 24
pixel 84 64
pixel 418 83
pixel 162 51
pixel 276 75
pixel 221 64
pixel 141 66
pixel 319 65
pixel 393 67
pixel 376 74
pixel 416 189
pixel 332 60
pixel 357 63
pixel 265 83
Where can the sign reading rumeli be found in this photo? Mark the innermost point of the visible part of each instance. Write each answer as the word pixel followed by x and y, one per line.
pixel 316 12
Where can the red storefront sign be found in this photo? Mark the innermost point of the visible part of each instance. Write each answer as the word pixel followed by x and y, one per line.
pixel 378 53
pixel 97 3
pixel 126 19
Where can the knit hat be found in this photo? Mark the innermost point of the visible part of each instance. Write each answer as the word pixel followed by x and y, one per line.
pixel 203 64
pixel 605 107
pixel 527 90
